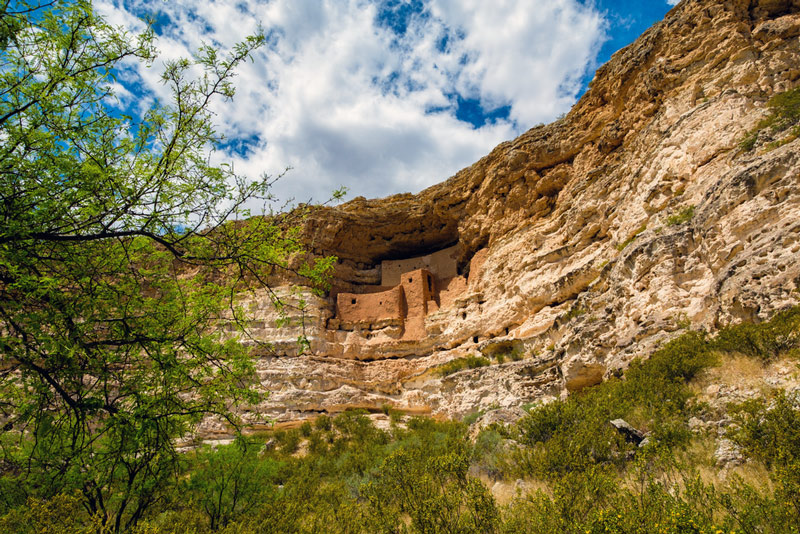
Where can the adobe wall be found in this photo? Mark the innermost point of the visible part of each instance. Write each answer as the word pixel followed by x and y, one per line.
pixel 372 309
pixel 419 287
pixel 451 289
pixel 442 264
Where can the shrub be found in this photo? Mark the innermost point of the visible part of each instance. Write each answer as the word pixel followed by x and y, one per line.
pixel 784 114
pixel 749 141
pixel 63 514
pixel 770 432
pixel 433 491
pixel 574 434
pixel 764 341
pixel 575 311
pixel 395 416
pixel 289 440
pixel 658 508
pixel 355 426
pixel 323 422
pixel 566 508
pixel 459 364
pixel 316 444
pixel 472 417
pixel 502 350
pixel 784 109
pixel 679 360
pixel 683 216
pixel 305 429
pixel 230 481
pixel 488 453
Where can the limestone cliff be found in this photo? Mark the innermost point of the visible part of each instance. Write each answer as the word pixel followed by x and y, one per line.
pixel 575 247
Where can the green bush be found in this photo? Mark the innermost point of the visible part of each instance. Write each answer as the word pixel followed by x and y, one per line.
pixel 783 114
pixel 565 509
pixel 323 422
pixel 502 350
pixel 395 416
pixel 575 311
pixel 305 429
pixel 749 141
pixel 62 514
pixel 229 481
pixel 784 109
pixel 459 364
pixel 683 216
pixel 756 509
pixel 288 440
pixel 317 444
pixel 489 454
pixel 764 341
pixel 433 491
pixel 769 431
pixel 574 434
pixel 472 417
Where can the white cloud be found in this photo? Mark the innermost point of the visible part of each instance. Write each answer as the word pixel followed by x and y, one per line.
pixel 673 2
pixel 346 101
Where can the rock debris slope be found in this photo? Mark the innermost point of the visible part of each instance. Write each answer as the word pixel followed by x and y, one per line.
pixel 577 246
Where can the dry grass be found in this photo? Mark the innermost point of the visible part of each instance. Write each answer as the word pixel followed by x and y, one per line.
pixel 741 372
pixel 505 491
pixel 700 455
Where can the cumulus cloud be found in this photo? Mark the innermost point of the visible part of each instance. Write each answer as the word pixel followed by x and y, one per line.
pixel 381 96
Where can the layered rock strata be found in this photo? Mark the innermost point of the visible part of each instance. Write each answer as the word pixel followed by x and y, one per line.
pixel 576 247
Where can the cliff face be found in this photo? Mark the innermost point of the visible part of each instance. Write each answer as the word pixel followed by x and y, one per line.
pixel 576 247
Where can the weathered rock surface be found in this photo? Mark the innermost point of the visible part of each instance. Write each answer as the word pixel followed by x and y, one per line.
pixel 582 267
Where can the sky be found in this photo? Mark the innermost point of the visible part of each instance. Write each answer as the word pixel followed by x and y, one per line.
pixel 383 96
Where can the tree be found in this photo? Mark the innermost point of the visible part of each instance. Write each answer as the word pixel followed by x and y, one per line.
pixel 122 250
pixel 231 481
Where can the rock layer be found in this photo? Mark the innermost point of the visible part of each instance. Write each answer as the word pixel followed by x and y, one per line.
pixel 601 235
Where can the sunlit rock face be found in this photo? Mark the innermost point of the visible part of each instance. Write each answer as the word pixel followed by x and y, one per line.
pixel 571 250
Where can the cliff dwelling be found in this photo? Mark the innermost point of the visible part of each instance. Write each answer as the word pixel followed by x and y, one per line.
pixel 410 289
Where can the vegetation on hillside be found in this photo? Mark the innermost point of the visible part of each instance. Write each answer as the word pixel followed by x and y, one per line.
pixel 343 475
pixel 783 114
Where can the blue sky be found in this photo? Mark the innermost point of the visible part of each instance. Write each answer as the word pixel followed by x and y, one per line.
pixel 385 96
